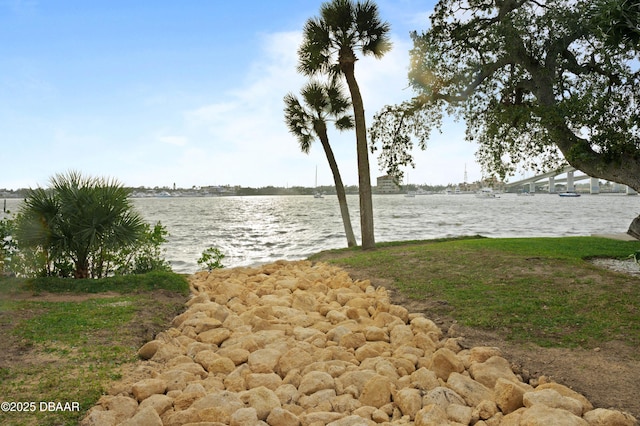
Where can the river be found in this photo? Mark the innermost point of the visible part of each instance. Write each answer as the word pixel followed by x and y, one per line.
pixel 260 229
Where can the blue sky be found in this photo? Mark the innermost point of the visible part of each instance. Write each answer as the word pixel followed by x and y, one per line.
pixel 159 92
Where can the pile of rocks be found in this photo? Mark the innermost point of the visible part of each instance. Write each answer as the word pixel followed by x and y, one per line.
pixel 293 343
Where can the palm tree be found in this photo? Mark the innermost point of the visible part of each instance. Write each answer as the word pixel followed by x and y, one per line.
pixel 322 102
pixel 329 46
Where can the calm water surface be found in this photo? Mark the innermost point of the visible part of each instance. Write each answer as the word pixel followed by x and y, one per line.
pixel 254 230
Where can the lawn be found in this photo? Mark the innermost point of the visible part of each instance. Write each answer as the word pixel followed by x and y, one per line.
pixel 66 340
pixel 538 290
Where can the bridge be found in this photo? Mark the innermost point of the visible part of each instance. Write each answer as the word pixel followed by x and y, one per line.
pixel 570 179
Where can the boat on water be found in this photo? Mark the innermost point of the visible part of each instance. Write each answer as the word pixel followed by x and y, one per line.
pixel 410 194
pixel 486 193
pixel 569 194
pixel 421 191
pixel 526 194
pixel 455 191
pixel 317 194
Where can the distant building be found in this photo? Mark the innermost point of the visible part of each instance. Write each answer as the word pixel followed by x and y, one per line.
pixel 386 185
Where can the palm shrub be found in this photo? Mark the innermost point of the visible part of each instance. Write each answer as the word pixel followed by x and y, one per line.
pixel 83 227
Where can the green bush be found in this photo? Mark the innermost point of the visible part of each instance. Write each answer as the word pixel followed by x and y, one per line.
pixel 84 228
pixel 212 258
pixel 7 244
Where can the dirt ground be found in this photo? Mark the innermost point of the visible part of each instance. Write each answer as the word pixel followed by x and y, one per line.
pixel 609 376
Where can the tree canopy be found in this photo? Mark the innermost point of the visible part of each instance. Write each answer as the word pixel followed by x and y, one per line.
pixel 539 83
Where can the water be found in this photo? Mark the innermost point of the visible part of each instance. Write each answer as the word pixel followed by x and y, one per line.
pixel 254 230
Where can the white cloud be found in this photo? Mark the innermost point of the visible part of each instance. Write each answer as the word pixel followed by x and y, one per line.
pixel 241 137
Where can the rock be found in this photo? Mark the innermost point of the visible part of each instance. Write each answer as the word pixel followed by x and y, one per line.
pixel 375 334
pixel 471 391
pixel 293 359
pixel 204 324
pixel 160 403
pixel 281 417
pixel 185 399
pixel 336 316
pixel 320 418
pixel 268 380
pixel 376 392
pixel 483 353
pixel 424 379
pixel 314 381
pixel 263 360
pixel 216 406
pixel 237 355
pixel 460 413
pixel 509 394
pixel 425 325
pixel 165 352
pixel 604 417
pixel 352 421
pixel 145 388
pixel 431 415
pixel 485 410
pixel 542 415
pixel 345 403
pixel 552 398
pixel 215 336
pixel 318 401
pixel 354 380
pixel 353 340
pixel 401 335
pixel 304 301
pixel 491 370
pixel 444 362
pixel 409 401
pixel 149 349
pixel 288 394
pixel 145 417
pixel 177 379
pixel 263 400
pixel 442 397
pixel 399 312
pixel 244 417
pixel 214 363
pixel 99 418
pixel 565 391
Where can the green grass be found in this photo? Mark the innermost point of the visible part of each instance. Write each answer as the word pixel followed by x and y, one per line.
pixel 539 290
pixel 68 339
pixel 121 284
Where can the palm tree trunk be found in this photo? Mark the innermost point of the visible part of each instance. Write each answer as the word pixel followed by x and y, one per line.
pixel 342 197
pixel 364 178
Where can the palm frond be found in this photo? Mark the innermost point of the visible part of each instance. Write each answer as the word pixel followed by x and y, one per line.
pixel 314 54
